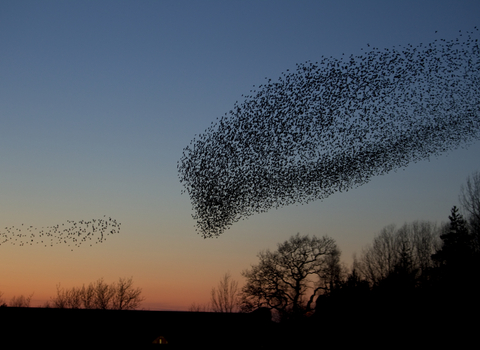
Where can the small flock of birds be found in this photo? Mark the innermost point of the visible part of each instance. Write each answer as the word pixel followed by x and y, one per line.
pixel 72 233
pixel 331 126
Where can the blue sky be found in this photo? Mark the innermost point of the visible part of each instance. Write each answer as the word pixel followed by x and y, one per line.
pixel 99 98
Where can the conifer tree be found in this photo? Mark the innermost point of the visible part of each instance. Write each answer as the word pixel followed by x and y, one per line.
pixel 457 243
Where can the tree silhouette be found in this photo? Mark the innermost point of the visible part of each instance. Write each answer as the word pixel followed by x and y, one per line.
pixel 470 200
pixel 289 279
pixel 100 295
pixel 400 253
pixel 457 243
pixel 20 301
pixel 225 297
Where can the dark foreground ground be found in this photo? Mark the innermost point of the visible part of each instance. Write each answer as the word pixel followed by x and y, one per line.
pixel 396 323
pixel 67 328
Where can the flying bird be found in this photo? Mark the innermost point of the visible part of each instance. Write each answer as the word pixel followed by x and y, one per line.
pixel 71 233
pixel 331 126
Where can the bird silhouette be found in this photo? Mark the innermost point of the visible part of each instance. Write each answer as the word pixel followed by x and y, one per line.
pixel 70 233
pixel 331 126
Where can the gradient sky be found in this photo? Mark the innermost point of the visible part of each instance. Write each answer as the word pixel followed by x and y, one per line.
pixel 99 98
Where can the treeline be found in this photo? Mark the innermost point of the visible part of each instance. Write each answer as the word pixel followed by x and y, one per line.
pixel 409 268
pixel 120 295
pixel 414 284
pixel 414 260
pixel 421 259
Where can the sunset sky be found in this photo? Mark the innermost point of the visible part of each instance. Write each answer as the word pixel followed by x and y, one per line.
pixel 99 98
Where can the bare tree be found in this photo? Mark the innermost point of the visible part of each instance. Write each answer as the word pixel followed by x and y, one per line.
pixel 103 295
pixel 100 295
pixel 125 296
pixel 88 296
pixel 408 248
pixel 426 241
pixel 470 195
pixel 378 260
pixel 20 301
pixel 2 301
pixel 225 298
pixel 199 308
pixel 289 279
pixel 67 298
pixel 333 272
pixel 470 201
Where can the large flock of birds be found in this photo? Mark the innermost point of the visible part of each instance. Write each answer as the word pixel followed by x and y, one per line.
pixel 71 233
pixel 331 126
